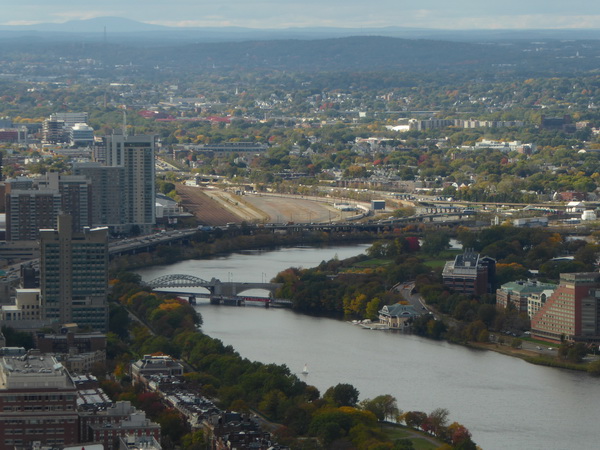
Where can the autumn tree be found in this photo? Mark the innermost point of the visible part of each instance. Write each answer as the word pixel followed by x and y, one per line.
pixel 384 407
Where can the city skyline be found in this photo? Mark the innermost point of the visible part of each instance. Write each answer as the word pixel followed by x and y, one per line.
pixel 460 15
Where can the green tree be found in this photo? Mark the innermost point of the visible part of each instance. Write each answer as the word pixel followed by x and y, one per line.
pixel 372 311
pixel 342 394
pixel 516 343
pixel 194 441
pixel 435 242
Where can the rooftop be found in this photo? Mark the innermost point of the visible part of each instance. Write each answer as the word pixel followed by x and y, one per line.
pixel 527 287
pixel 31 372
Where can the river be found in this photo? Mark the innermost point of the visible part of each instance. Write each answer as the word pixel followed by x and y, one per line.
pixel 505 402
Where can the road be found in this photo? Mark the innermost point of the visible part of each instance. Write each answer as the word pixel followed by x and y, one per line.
pixel 413 298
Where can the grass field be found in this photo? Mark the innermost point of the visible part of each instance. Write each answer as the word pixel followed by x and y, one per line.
pixel 436 263
pixel 373 263
pixel 395 432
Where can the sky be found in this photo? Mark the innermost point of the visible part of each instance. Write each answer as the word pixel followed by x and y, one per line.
pixel 445 14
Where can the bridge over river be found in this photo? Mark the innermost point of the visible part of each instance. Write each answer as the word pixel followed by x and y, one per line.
pixel 219 292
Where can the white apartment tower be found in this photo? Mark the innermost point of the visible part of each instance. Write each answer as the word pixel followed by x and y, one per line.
pixel 136 155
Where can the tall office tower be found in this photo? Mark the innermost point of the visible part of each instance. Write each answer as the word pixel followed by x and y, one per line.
pixel 108 208
pixel 136 155
pixel 74 275
pixel 75 197
pixel 27 211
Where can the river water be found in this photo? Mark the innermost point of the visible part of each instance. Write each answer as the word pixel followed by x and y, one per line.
pixel 505 402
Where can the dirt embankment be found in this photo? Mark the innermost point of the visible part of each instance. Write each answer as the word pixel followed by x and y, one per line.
pixel 207 210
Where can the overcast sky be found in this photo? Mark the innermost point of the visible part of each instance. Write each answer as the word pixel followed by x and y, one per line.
pixel 449 14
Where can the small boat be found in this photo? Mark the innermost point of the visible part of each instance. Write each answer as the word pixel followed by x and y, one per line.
pixel 305 370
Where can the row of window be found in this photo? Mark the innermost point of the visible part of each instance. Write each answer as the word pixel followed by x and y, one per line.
pixel 19 442
pixel 38 408
pixel 37 398
pixel 29 431
pixel 61 420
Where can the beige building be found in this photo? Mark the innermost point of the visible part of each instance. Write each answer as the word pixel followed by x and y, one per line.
pixel 74 275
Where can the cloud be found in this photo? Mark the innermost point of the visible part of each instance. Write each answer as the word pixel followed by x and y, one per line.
pixel 516 22
pixel 65 16
pixel 20 22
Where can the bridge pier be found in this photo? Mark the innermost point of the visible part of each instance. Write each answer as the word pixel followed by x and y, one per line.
pixel 227 301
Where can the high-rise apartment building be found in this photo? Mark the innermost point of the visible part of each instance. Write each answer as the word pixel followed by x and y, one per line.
pixel 74 275
pixel 27 211
pixel 75 196
pixel 136 155
pixel 33 204
pixel 572 312
pixel 108 206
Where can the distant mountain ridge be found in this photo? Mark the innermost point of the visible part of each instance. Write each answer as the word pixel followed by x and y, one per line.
pixel 118 27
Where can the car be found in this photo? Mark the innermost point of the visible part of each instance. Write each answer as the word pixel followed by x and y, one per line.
pixel 550 348
pixel 538 347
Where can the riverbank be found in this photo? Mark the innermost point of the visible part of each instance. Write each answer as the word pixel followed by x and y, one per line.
pixel 205 245
pixel 529 356
pixel 423 374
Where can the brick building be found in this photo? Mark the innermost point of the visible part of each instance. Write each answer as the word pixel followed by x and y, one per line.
pixel 38 402
pixel 572 312
pixel 517 293
pixel 470 274
pixel 118 421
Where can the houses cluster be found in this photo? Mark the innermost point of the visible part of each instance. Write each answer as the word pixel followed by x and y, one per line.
pixel 224 429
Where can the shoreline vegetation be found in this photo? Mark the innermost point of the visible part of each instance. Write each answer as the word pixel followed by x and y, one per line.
pixel 350 288
pixel 333 418
pixel 293 408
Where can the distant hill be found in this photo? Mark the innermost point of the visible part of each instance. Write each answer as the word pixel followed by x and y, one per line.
pixel 167 52
pixel 96 25
pixel 118 29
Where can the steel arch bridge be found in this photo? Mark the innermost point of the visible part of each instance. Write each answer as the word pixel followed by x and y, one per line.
pixel 214 286
pixel 181 281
